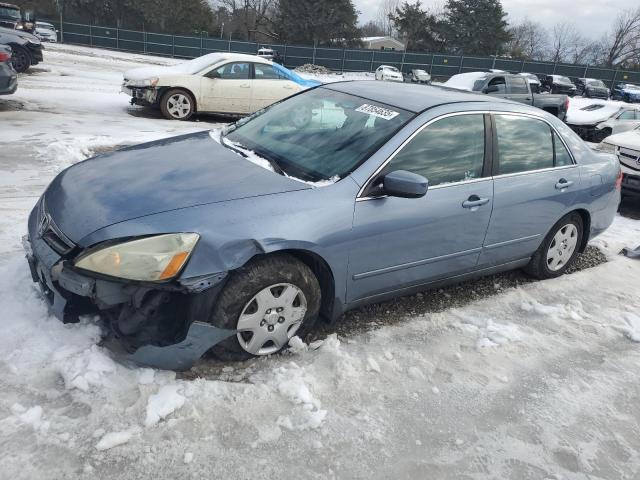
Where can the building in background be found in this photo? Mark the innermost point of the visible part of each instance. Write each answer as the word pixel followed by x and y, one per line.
pixel 382 43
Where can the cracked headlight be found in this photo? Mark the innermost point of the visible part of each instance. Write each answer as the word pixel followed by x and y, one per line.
pixel 149 82
pixel 149 259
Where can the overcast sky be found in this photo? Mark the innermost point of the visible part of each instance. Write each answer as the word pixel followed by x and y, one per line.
pixel 591 17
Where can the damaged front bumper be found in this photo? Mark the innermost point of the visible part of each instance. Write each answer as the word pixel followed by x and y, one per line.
pixel 160 325
pixel 143 96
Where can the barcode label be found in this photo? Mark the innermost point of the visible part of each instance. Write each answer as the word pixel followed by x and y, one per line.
pixel 377 111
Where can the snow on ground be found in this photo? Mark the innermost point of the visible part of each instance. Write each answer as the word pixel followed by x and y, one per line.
pixel 539 381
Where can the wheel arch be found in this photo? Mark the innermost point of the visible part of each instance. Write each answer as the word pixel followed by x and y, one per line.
pixel 323 273
pixel 586 227
pixel 163 91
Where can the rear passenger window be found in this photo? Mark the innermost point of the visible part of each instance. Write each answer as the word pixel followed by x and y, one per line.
pixel 562 156
pixel 449 150
pixel 519 85
pixel 524 144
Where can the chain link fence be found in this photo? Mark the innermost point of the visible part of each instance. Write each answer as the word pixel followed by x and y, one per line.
pixel 337 59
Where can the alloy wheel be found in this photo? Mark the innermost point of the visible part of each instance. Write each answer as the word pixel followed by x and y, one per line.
pixel 269 320
pixel 562 247
pixel 179 105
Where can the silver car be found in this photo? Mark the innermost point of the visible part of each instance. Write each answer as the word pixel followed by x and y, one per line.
pixel 343 195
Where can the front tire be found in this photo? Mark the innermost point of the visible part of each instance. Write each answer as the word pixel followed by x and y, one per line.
pixel 267 302
pixel 177 104
pixel 559 248
pixel 21 59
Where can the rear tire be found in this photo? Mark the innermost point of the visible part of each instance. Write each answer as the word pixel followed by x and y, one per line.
pixel 559 248
pixel 21 59
pixel 177 104
pixel 253 303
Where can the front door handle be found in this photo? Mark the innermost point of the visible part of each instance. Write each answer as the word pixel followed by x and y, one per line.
pixel 244 85
pixel 474 201
pixel 563 183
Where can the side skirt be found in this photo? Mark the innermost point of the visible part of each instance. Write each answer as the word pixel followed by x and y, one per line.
pixel 437 283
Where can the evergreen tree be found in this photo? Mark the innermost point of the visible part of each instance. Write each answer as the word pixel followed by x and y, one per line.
pixel 475 27
pixel 418 27
pixel 318 22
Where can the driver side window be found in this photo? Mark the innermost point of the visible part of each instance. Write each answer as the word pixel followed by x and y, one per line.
pixel 447 151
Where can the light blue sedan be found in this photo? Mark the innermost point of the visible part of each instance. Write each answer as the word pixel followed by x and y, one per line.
pixel 342 195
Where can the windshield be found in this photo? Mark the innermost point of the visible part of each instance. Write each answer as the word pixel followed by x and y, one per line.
pixel 392 69
pixel 596 83
pixel 8 12
pixel 318 135
pixel 628 86
pixel 563 79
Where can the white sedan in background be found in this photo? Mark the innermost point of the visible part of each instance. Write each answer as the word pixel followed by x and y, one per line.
pixel 626 146
pixel 224 83
pixel 389 73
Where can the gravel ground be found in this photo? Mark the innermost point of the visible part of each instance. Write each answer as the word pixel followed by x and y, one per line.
pixel 436 300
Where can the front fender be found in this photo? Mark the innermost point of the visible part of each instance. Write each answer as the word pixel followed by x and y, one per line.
pixel 315 220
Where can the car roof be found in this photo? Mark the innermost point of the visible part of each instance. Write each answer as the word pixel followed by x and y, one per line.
pixel 408 96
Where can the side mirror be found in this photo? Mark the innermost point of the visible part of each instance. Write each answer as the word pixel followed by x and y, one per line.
pixel 491 89
pixel 213 74
pixel 404 184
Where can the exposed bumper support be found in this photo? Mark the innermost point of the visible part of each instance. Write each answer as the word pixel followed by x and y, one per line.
pixel 163 326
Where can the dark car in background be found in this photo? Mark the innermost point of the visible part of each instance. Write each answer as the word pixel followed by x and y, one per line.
pixel 627 92
pixel 8 75
pixel 558 84
pixel 27 48
pixel 420 76
pixel 592 88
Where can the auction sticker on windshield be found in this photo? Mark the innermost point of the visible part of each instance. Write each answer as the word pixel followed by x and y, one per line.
pixel 377 111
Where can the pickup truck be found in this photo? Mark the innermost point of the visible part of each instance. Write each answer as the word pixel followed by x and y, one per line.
pixel 512 87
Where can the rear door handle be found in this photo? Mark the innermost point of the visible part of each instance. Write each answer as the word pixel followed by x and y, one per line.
pixel 474 201
pixel 244 85
pixel 563 183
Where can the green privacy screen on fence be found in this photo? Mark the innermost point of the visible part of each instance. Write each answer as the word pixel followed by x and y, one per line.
pixel 338 59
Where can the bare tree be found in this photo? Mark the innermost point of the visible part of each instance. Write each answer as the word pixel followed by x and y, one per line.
pixel 372 29
pixel 564 38
pixel 622 44
pixel 386 9
pixel 250 16
pixel 528 40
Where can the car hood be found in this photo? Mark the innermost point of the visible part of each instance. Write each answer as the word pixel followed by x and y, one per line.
pixel 20 34
pixel 630 139
pixel 160 176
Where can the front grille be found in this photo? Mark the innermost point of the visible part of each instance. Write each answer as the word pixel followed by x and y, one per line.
pixel 51 234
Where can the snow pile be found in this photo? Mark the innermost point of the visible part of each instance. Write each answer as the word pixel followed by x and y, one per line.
pixel 113 439
pixel 311 68
pixel 162 404
pixel 631 327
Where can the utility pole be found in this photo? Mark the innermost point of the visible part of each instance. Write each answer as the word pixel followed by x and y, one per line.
pixel 60 8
